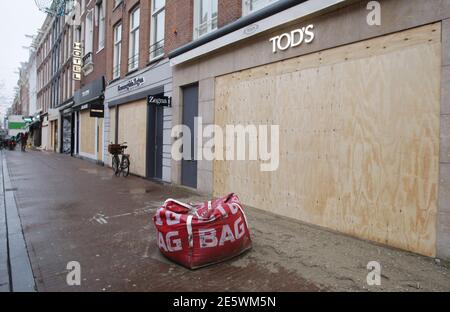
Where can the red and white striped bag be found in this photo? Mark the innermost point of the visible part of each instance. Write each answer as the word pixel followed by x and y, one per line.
pixel 202 234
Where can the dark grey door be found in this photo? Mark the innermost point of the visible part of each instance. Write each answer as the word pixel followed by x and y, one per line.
pixel 190 111
pixel 155 142
pixel 159 122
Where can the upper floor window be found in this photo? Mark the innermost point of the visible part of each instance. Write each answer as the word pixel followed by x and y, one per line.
pixel 117 2
pixel 157 28
pixel 89 33
pixel 101 25
pixel 251 6
pixel 205 17
pixel 133 56
pixel 117 51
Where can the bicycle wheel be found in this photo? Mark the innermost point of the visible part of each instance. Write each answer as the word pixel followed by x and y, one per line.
pixel 125 166
pixel 116 165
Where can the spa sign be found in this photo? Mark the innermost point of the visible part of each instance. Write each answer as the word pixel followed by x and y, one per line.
pixel 292 39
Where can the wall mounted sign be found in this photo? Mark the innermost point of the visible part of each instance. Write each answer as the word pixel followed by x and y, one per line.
pixel 251 29
pixel 98 112
pixel 131 84
pixel 292 39
pixel 77 61
pixel 158 100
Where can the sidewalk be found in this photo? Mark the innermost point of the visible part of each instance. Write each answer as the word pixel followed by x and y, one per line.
pixel 72 210
pixel 15 269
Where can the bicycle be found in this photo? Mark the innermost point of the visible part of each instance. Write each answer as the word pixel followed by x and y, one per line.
pixel 120 166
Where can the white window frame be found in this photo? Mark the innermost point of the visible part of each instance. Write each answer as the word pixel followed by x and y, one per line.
pixel 209 22
pixel 89 33
pixel 133 54
pixel 117 3
pixel 117 50
pixel 153 30
pixel 101 26
pixel 247 5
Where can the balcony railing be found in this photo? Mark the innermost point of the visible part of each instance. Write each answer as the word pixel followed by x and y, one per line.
pixel 156 49
pixel 116 71
pixel 133 62
pixel 87 59
pixel 206 27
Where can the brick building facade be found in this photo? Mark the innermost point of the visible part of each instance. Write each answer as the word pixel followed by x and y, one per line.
pixel 55 86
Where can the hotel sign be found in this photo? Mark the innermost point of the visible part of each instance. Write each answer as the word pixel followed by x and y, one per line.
pixel 77 61
pixel 292 39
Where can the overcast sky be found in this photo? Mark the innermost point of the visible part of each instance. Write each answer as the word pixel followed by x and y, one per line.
pixel 18 18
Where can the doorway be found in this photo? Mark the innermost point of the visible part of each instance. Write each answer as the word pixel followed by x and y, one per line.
pixel 190 112
pixel 155 142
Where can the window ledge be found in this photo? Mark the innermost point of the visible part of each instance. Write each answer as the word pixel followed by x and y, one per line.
pixel 114 80
pixel 132 71
pixel 155 59
pixel 115 8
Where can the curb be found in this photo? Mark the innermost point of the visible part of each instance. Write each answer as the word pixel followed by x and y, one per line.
pixel 21 278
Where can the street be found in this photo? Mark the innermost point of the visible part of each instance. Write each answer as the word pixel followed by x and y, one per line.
pixel 74 210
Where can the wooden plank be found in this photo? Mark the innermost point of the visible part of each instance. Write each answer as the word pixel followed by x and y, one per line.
pixel 359 137
pixel 133 130
pixel 87 126
pixel 100 139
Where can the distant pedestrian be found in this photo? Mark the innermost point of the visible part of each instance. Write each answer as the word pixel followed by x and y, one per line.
pixel 23 141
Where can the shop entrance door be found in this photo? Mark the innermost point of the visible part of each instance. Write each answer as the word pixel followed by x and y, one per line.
pixel 67 134
pixel 155 142
pixel 190 111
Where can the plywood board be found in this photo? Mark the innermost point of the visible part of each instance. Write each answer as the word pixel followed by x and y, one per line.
pixel 100 139
pixel 87 133
pixel 359 137
pixel 112 131
pixel 133 130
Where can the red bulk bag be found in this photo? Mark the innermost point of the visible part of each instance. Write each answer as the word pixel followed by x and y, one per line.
pixel 202 234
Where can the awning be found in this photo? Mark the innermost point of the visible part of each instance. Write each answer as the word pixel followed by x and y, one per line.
pixel 89 94
pixel 53 114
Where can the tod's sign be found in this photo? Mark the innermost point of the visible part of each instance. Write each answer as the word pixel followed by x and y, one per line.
pixel 292 39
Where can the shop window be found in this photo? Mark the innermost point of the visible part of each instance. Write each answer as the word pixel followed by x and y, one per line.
pixel 133 59
pixel 157 29
pixel 117 50
pixel 251 6
pixel 205 17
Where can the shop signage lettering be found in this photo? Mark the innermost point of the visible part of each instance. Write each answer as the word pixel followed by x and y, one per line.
pixel 77 61
pixel 97 113
pixel 163 101
pixel 131 84
pixel 85 93
pixel 293 39
pixel 208 238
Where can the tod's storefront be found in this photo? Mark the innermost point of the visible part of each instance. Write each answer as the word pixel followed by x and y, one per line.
pixel 362 107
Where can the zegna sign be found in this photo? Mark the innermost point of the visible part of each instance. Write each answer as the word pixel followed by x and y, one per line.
pixel 292 39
